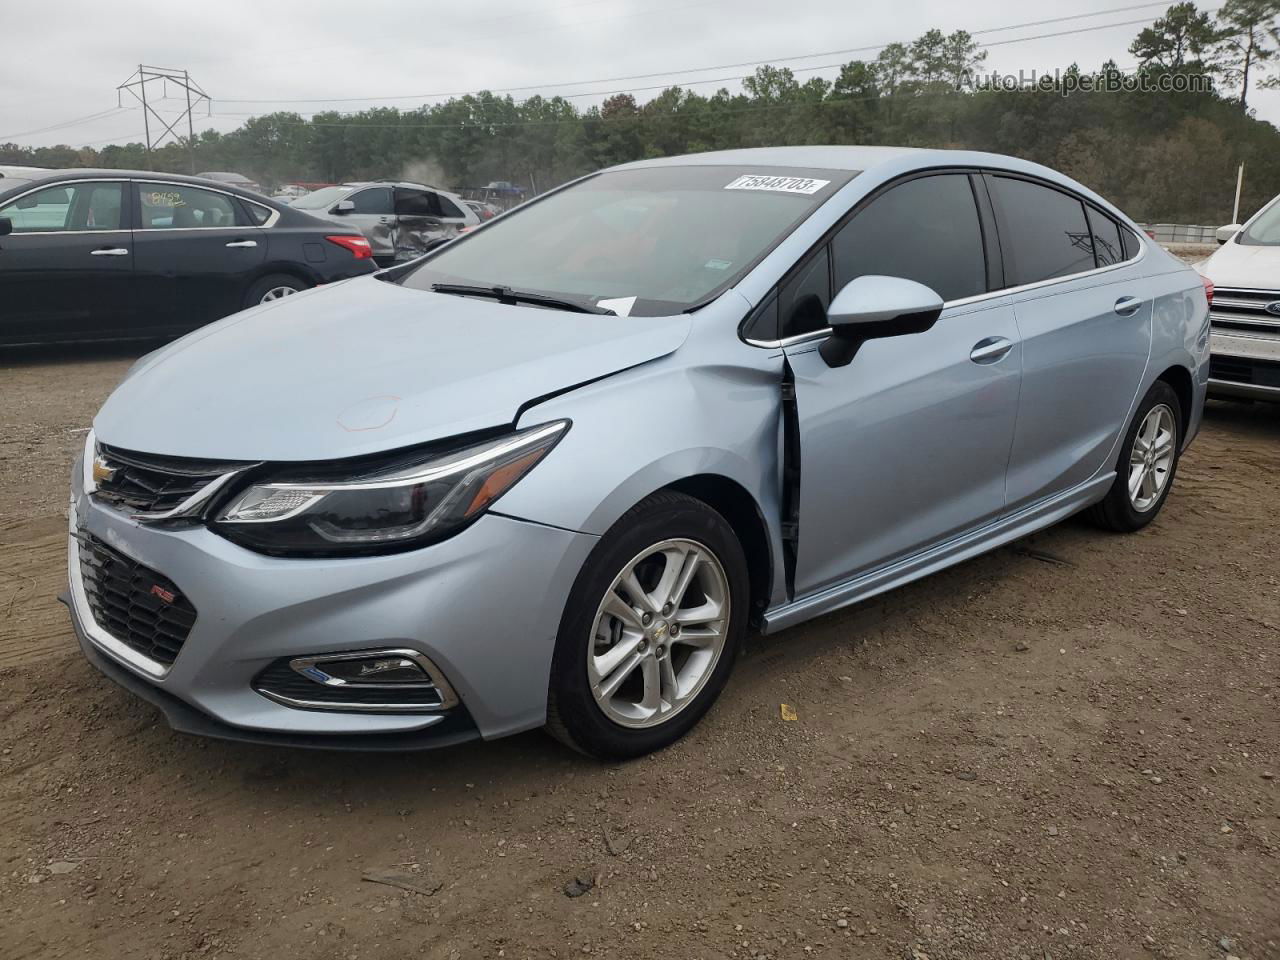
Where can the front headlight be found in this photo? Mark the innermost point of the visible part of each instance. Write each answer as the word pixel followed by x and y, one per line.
pixel 380 512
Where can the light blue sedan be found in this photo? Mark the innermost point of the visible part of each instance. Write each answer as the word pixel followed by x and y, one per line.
pixel 552 472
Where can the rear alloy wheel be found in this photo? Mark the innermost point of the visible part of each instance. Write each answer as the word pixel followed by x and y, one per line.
pixel 1148 462
pixel 272 288
pixel 651 630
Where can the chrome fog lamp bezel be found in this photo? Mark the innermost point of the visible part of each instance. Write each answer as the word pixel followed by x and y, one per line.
pixel 309 666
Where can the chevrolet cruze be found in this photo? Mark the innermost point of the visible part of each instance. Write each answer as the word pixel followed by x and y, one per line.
pixel 549 474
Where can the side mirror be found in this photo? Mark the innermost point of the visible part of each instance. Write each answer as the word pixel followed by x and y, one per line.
pixel 874 307
pixel 6 226
pixel 344 206
pixel 1224 234
pixel 29 202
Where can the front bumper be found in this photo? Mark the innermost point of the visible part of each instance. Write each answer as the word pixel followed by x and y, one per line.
pixel 1245 364
pixel 484 606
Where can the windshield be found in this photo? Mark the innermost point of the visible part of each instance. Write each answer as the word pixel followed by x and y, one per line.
pixel 1265 231
pixel 642 242
pixel 321 198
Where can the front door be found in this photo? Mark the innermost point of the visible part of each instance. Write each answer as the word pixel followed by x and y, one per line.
pixel 908 445
pixel 66 270
pixel 196 254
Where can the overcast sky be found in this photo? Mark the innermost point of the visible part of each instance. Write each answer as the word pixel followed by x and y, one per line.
pixel 63 62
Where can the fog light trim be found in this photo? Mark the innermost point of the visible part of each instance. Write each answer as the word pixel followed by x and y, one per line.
pixel 432 694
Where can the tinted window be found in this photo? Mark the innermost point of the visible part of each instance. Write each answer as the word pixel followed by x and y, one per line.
pixel 1107 245
pixel 924 230
pixel 82 206
pixel 1047 235
pixel 375 201
pixel 805 296
pixel 415 203
pixel 449 209
pixel 176 206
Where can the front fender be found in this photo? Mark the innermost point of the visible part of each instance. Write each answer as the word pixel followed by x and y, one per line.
pixel 651 426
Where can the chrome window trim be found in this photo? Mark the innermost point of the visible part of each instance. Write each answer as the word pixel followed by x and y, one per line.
pixel 271 221
pixel 99 637
pixel 977 298
pixel 67 183
pixel 448 697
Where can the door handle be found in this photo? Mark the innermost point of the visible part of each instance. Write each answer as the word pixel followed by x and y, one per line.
pixel 109 252
pixel 1127 306
pixel 243 243
pixel 384 219
pixel 990 350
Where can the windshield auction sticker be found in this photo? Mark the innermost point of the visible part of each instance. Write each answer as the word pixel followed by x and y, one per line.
pixel 756 181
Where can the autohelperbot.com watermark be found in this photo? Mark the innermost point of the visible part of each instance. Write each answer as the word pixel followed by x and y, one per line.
pixel 1067 82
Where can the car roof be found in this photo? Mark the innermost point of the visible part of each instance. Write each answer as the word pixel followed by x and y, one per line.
pixel 851 158
pixel 55 176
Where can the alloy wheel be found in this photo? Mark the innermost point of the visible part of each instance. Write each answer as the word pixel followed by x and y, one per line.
pixel 1151 458
pixel 276 293
pixel 658 633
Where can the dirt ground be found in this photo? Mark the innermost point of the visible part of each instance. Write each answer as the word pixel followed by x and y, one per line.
pixel 1065 749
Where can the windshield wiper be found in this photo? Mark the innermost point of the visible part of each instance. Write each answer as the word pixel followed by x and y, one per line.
pixel 512 297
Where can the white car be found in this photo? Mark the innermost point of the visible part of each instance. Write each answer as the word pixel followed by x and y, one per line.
pixel 1245 316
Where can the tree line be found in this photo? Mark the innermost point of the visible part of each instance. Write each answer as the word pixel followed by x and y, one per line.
pixel 1163 150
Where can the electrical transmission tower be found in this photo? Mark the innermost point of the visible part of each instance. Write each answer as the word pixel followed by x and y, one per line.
pixel 136 86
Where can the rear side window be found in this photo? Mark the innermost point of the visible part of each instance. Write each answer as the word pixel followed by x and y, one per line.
pixel 415 203
pixel 925 230
pixel 1043 231
pixel 449 209
pixel 1108 246
pixel 179 206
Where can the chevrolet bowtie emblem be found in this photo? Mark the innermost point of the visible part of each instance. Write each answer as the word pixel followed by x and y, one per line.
pixel 102 473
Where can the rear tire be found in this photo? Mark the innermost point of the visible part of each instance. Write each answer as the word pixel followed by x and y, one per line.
pixel 273 287
pixel 1147 464
pixel 651 630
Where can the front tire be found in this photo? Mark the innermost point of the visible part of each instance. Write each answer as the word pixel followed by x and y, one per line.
pixel 650 633
pixel 1148 462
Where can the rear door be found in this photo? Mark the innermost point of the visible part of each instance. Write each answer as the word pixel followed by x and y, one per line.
pixel 196 254
pixel 419 223
pixel 66 270
pixel 374 216
pixel 908 445
pixel 1085 323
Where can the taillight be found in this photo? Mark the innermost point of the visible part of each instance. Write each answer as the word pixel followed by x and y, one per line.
pixel 359 246
pixel 1208 289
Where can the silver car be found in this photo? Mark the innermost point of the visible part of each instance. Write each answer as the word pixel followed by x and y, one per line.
pixel 551 473
pixel 401 220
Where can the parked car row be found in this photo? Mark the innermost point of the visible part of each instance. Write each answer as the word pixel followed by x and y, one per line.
pixel 98 255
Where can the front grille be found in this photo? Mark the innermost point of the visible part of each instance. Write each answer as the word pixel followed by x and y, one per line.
pixel 148 483
pixel 139 607
pixel 1263 373
pixel 282 681
pixel 1239 309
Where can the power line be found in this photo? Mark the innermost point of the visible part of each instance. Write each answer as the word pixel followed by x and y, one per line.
pixel 64 124
pixel 730 79
pixel 723 66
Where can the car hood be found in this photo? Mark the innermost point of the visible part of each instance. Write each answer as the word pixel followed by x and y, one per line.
pixel 363 367
pixel 1239 265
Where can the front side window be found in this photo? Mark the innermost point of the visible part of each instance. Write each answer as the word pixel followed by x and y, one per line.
pixel 653 240
pixel 375 201
pixel 322 199
pixel 178 206
pixel 1043 231
pixel 926 230
pixel 79 206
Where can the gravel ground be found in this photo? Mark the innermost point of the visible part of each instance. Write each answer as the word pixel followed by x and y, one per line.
pixel 1065 749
